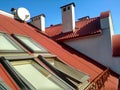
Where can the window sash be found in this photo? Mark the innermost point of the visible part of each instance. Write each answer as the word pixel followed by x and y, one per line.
pixel 30 44
pixel 35 77
pixel 22 82
pixel 50 76
pixel 8 45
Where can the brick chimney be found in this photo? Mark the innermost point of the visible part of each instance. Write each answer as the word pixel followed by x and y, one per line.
pixel 39 22
pixel 68 17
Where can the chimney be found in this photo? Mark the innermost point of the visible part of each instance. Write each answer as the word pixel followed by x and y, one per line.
pixel 39 22
pixel 106 22
pixel 68 18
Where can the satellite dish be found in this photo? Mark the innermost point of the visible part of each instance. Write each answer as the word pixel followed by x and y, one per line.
pixel 23 14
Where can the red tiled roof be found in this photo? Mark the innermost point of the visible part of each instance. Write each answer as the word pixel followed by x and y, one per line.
pixel 84 27
pixel 12 26
pixel 54 30
pixel 104 14
pixel 7 79
pixel 116 45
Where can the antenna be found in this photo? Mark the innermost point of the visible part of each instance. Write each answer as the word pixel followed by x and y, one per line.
pixel 23 14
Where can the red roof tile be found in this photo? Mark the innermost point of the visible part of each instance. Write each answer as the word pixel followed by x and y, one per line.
pixel 7 79
pixel 104 14
pixel 84 27
pixel 54 30
pixel 111 84
pixel 11 26
pixel 116 45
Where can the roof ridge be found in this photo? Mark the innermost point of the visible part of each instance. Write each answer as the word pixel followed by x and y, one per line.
pixel 53 25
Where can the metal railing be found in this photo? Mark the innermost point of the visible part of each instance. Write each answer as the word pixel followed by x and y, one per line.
pixel 99 81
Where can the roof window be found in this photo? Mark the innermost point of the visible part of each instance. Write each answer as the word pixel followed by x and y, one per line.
pixel 30 44
pixel 8 45
pixel 33 75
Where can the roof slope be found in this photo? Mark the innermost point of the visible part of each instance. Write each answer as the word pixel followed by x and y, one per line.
pixel 12 26
pixel 84 27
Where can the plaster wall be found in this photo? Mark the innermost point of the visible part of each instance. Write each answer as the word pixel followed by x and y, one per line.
pixel 99 47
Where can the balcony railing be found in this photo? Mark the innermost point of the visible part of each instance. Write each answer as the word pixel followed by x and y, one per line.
pixel 99 81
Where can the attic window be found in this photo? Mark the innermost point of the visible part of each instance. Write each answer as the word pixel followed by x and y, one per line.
pixel 8 45
pixel 30 44
pixel 36 75
pixel 64 72
pixel 79 76
pixel 32 75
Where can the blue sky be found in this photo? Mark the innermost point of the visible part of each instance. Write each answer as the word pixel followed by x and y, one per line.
pixel 51 9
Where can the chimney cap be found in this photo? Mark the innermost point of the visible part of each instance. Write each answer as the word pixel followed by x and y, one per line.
pixel 42 15
pixel 68 5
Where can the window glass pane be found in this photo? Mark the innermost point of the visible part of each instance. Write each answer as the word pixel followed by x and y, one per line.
pixel 8 45
pixel 36 78
pixel 31 44
pixel 5 44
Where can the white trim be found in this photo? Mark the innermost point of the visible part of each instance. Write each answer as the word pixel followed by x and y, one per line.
pixel 6 14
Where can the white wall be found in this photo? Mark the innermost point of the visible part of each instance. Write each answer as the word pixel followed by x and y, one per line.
pixel 99 47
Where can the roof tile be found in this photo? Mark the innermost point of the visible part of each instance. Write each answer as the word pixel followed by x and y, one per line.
pixel 83 28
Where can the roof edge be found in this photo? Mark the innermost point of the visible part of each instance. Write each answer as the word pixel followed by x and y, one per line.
pixel 6 14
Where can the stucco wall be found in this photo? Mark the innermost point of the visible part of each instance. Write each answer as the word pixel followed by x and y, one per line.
pixel 98 48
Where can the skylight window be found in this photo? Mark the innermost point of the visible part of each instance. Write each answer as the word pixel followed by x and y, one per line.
pixel 7 45
pixel 72 76
pixel 37 76
pixel 30 44
pixel 30 74
pixel 56 63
